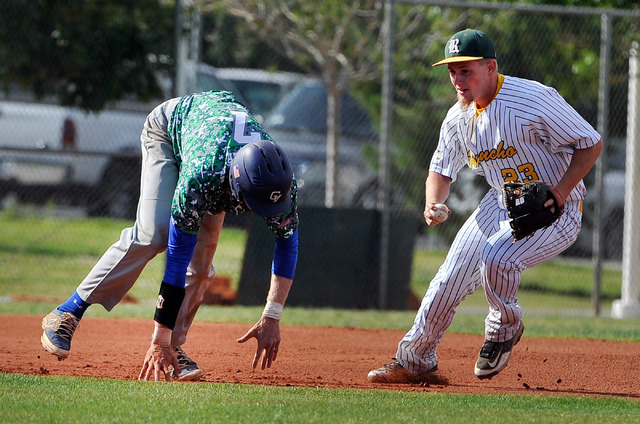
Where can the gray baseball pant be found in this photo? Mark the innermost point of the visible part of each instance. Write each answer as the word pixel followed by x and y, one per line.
pixel 120 266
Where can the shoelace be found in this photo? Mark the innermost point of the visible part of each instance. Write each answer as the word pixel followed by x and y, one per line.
pixel 392 365
pixel 68 324
pixel 183 358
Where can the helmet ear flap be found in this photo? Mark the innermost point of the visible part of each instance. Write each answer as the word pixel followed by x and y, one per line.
pixel 240 199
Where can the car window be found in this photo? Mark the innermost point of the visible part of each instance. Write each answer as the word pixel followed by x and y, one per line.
pixel 206 82
pixel 260 96
pixel 305 109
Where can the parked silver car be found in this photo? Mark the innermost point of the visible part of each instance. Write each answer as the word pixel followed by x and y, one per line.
pixel 299 124
pixel 260 90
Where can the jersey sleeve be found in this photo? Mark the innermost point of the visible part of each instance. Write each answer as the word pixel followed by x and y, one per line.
pixel 449 156
pixel 189 204
pixel 563 127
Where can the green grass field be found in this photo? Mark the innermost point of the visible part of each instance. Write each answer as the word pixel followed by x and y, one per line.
pixel 47 257
pixel 73 400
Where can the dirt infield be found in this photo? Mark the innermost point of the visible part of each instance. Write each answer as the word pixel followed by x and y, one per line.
pixel 329 357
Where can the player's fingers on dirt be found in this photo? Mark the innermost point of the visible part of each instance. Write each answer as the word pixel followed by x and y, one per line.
pixel 160 364
pixel 256 358
pixel 148 373
pixel 270 353
pixel 176 368
pixel 273 352
pixel 168 373
pixel 148 366
pixel 261 352
pixel 162 372
pixel 158 372
pixel 266 355
pixel 144 371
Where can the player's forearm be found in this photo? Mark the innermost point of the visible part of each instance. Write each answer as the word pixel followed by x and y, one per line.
pixel 278 292
pixel 207 242
pixel 283 269
pixel 279 289
pixel 437 188
pixel 581 162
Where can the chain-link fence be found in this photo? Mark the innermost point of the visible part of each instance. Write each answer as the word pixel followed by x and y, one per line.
pixel 87 163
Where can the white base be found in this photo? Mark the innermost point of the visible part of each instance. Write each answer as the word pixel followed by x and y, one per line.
pixel 623 309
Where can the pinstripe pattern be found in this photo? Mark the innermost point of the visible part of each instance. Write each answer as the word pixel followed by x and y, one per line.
pixel 528 132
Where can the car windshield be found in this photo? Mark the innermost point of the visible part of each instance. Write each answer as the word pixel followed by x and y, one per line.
pixel 305 109
pixel 261 96
pixel 207 81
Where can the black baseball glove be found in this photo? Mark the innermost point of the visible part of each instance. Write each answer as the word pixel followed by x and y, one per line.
pixel 525 204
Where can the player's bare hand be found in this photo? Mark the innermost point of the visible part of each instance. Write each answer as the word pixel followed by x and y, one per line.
pixel 267 333
pixel 160 364
pixel 558 200
pixel 436 213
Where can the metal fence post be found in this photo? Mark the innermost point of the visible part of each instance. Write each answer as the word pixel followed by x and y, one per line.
pixel 629 304
pixel 385 140
pixel 603 128
pixel 187 46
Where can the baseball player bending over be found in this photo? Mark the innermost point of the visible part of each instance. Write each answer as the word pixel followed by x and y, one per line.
pixel 202 155
pixel 505 129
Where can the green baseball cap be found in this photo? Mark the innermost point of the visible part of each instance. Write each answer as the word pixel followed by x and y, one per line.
pixel 466 45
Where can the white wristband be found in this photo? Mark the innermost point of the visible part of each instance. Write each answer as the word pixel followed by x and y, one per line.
pixel 273 310
pixel 161 336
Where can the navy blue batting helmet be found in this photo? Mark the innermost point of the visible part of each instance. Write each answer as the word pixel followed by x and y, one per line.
pixel 261 176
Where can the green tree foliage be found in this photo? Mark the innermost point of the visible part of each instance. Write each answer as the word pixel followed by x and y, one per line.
pixel 340 41
pixel 89 52
pixel 86 52
pixel 221 46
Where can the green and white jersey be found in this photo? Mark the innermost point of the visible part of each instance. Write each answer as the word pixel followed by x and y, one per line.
pixel 207 129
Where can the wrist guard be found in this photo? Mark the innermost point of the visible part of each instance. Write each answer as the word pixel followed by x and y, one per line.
pixel 168 304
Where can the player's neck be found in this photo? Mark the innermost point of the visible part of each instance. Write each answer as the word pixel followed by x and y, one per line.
pixel 492 91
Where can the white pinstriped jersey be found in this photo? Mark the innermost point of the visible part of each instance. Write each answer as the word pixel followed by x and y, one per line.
pixel 528 132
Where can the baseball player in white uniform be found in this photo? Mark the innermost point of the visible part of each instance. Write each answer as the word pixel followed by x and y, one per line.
pixel 506 129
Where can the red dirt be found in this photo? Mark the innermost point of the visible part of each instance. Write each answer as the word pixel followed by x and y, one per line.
pixel 329 357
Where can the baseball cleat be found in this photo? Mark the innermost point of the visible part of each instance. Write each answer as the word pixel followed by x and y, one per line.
pixel 494 356
pixel 189 370
pixel 58 329
pixel 396 373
